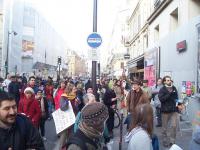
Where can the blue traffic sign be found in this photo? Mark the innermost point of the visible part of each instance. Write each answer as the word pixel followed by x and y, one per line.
pixel 94 40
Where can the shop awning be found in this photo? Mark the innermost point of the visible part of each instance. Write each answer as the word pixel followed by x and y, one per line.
pixel 41 66
pixel 136 62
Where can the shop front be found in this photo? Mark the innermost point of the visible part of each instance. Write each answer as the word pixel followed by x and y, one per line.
pixel 136 68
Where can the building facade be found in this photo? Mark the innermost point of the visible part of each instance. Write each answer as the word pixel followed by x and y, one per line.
pixel 77 65
pixel 35 46
pixel 116 63
pixel 137 37
pixel 168 43
pixel 157 30
pixel 173 32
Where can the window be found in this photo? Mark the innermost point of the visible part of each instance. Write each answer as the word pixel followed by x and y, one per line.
pixel 194 8
pixel 139 22
pixel 174 20
pixel 145 45
pixel 156 33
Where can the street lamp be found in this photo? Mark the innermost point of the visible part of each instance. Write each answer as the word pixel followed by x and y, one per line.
pixel 7 52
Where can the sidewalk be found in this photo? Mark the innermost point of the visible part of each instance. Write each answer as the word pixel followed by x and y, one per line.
pixel 183 137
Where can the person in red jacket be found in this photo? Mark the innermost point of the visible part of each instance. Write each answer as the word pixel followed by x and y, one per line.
pixel 58 94
pixel 29 106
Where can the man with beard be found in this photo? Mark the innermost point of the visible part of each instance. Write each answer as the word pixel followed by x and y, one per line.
pixel 17 132
pixel 168 95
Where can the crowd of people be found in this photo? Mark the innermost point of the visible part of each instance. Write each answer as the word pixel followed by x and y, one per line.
pixel 25 106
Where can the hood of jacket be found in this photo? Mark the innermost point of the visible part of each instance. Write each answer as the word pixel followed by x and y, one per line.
pixel 129 135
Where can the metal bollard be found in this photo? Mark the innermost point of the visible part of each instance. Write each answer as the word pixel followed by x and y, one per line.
pixel 121 131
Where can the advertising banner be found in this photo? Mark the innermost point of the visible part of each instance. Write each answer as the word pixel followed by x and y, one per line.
pixel 27 48
pixel 151 66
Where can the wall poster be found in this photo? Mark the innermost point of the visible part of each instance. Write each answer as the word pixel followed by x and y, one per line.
pixel 152 65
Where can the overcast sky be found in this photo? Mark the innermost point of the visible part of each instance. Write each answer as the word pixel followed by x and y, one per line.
pixel 73 19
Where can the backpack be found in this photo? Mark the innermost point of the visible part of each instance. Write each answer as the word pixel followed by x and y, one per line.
pixel 155 142
pixel 80 139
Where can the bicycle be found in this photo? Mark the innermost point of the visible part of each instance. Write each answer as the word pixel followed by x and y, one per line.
pixel 117 118
pixel 184 115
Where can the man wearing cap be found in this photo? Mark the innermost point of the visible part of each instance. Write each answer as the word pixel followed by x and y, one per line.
pixel 91 127
pixel 13 88
pixel 29 106
pixel 135 97
pixel 17 132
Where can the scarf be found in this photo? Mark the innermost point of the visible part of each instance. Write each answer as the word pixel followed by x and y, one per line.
pixel 137 96
pixel 70 96
pixel 169 87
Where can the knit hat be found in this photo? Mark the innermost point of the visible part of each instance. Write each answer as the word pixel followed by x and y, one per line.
pixel 29 89
pixel 94 115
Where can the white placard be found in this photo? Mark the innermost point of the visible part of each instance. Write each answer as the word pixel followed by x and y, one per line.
pixel 63 119
pixel 175 147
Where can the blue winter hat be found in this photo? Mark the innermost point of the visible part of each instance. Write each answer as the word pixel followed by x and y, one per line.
pixel 64 103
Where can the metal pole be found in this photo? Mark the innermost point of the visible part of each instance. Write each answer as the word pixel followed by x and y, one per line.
pixel 99 70
pixel 121 131
pixel 59 72
pixel 94 63
pixel 7 55
pixel 15 70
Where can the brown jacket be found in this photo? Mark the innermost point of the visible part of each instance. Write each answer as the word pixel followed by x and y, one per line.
pixel 135 98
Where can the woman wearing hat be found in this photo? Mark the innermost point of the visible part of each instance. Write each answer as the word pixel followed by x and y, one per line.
pixel 91 127
pixel 29 106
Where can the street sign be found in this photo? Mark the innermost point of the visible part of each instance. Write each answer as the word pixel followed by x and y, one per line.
pixel 126 56
pixel 94 40
pixel 94 54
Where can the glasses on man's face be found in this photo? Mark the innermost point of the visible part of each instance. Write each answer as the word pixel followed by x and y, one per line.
pixel 168 80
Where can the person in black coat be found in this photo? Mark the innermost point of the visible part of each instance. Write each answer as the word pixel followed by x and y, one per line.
pixel 168 97
pixel 80 94
pixel 109 100
pixel 14 88
pixel 44 109
pixel 88 85
pixel 16 130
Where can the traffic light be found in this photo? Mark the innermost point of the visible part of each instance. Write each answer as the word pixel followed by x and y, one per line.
pixel 59 60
